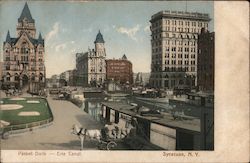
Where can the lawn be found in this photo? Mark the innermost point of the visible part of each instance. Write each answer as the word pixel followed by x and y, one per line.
pixel 13 118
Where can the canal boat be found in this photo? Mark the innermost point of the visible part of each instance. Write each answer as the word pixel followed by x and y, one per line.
pixel 165 132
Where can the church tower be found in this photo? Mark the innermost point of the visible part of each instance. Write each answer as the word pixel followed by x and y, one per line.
pixel 26 23
pixel 23 56
pixel 99 45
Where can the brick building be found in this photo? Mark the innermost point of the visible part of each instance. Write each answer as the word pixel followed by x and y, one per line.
pixel 119 70
pixel 205 73
pixel 23 56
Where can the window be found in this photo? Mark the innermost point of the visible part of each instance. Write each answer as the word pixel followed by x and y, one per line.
pixel 33 77
pixel 16 77
pixel 41 77
pixel 7 67
pixel 174 49
pixel 23 50
pixel 7 58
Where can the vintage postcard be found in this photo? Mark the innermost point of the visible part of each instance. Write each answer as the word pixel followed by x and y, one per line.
pixel 124 81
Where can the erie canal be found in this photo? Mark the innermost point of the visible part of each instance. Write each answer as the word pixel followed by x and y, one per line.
pixel 92 106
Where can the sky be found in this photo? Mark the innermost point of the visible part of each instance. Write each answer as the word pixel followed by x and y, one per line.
pixel 71 26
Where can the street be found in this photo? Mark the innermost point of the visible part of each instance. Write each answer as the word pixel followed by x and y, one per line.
pixel 58 135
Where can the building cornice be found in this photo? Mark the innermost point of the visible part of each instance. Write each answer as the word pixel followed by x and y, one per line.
pixel 180 15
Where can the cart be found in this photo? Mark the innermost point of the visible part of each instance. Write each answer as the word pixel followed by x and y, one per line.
pixel 106 142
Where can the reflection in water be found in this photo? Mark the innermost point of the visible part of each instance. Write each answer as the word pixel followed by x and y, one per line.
pixel 93 108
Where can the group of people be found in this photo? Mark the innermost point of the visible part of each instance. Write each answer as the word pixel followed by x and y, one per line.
pixel 118 131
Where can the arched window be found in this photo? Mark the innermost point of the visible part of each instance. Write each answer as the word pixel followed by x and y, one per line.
pixel 8 77
pixel 40 77
pixel 25 48
pixel 33 77
pixel 16 77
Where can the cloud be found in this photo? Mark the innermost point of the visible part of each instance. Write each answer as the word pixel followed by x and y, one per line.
pixel 53 32
pixel 147 28
pixel 130 32
pixel 60 47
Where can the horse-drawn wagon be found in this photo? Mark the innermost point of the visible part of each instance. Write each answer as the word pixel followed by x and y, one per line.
pixel 108 137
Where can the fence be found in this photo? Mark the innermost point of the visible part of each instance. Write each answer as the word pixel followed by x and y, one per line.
pixel 27 125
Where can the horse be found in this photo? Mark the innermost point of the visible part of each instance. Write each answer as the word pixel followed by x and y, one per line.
pixel 83 133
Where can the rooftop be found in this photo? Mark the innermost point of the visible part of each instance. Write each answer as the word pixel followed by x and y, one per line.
pixel 99 38
pixel 11 40
pixel 181 14
pixel 26 14
pixel 191 124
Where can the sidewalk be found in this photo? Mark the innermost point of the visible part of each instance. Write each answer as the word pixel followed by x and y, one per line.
pixel 58 135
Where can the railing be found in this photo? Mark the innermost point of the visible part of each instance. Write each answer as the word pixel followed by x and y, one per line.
pixel 27 125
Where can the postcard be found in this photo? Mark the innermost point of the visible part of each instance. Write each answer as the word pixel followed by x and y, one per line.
pixel 124 81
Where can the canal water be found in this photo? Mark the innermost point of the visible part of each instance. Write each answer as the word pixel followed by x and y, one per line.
pixel 92 106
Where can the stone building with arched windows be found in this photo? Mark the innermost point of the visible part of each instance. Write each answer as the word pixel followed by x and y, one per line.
pixel 91 66
pixel 23 56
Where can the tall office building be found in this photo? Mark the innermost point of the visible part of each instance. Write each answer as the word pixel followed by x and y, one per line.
pixel 174 48
pixel 205 67
pixel 23 56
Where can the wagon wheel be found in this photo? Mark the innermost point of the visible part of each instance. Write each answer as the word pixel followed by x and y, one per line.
pixel 111 145
pixel 5 135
